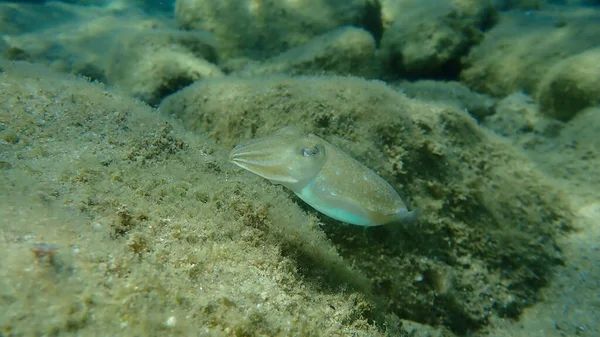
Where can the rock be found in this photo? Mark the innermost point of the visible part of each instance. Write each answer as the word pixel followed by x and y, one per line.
pixel 152 64
pixel 539 4
pixel 519 4
pixel 576 154
pixel 25 17
pixel 261 29
pixel 517 53
pixel 129 197
pixel 68 38
pixel 429 38
pixel 518 118
pixel 453 94
pixel 414 329
pixel 342 51
pixel 571 85
pixel 141 54
pixel 391 10
pixel 514 115
pixel 465 261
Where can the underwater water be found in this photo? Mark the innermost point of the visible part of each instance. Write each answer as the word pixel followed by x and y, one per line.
pixel 441 178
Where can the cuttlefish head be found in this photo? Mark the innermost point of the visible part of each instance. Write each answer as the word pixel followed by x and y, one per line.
pixel 287 157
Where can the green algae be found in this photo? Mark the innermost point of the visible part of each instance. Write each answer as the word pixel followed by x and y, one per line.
pixel 155 233
pixel 486 241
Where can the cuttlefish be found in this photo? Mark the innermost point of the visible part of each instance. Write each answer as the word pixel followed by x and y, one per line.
pixel 324 177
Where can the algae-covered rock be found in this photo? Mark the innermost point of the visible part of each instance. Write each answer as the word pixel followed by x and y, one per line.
pixel 115 44
pixel 342 51
pixel 539 4
pixel 449 93
pixel 486 240
pixel 573 155
pixel 571 85
pixel 261 29
pixel 518 52
pixel 520 4
pixel 26 17
pixel 70 38
pixel 518 118
pixel 117 221
pixel 428 39
pixel 154 63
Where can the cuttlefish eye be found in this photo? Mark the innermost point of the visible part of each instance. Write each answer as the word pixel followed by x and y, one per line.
pixel 310 152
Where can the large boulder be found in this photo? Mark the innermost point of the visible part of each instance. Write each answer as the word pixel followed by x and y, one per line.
pixel 117 221
pixel 154 63
pixel 68 37
pixel 261 29
pixel 342 51
pixel 518 52
pixel 428 39
pixel 449 93
pixel 571 85
pixel 486 240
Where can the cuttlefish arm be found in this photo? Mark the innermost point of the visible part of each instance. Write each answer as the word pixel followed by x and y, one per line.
pixel 324 177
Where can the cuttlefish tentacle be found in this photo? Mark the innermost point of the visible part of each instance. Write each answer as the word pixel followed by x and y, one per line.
pixel 324 177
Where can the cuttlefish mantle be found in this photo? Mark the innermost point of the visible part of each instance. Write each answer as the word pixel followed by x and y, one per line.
pixel 324 177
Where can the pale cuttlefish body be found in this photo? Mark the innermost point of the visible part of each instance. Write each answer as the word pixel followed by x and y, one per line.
pixel 324 177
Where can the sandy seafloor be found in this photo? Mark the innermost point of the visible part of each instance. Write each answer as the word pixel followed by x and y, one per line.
pixel 120 214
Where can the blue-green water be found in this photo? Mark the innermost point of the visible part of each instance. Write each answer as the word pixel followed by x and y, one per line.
pixel 120 213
